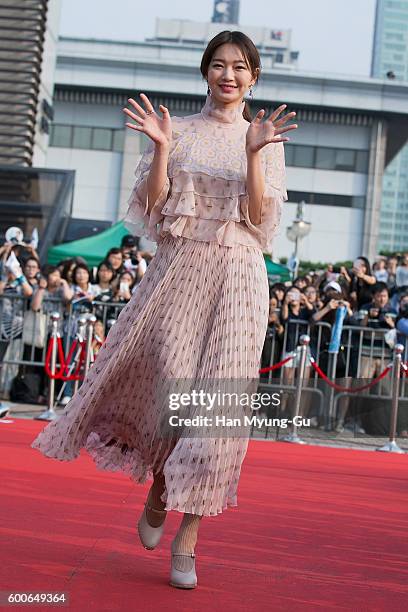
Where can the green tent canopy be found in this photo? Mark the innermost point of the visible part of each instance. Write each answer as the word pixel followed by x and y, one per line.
pixel 276 272
pixel 93 249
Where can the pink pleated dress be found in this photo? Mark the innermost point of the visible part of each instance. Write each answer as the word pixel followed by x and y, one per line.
pixel 200 312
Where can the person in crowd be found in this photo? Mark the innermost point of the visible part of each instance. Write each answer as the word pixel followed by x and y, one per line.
pixel 115 258
pixel 84 293
pixel 278 291
pixel 13 285
pixel 373 353
pixel 51 292
pixel 99 337
pixel 67 266
pixel 300 282
pixel 32 271
pixel 126 285
pixel 401 276
pixel 296 313
pixel 333 297
pixel 81 285
pixel 104 279
pixel 360 282
pixel 376 418
pixel 132 257
pixel 51 285
pixel 380 270
pixel 379 309
pixel 313 296
pixel 274 336
pixel 392 263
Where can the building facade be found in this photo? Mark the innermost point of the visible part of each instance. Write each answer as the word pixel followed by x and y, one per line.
pixel 349 131
pixel 390 61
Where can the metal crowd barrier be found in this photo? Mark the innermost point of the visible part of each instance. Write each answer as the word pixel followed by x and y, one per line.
pixel 24 335
pixel 364 353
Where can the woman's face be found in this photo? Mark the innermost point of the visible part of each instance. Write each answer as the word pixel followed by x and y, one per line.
pixel 99 329
pixel 105 275
pixel 81 276
pixel 311 294
pixel 360 265
pixel 280 294
pixel 116 260
pixel 54 278
pixel 31 268
pixel 229 76
pixel 273 304
pixel 126 278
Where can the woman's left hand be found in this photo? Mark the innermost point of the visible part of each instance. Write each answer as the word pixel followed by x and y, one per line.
pixel 261 133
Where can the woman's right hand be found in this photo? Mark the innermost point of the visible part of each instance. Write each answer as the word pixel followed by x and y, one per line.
pixel 148 121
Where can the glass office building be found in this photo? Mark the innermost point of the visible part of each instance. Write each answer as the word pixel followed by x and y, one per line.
pixel 390 61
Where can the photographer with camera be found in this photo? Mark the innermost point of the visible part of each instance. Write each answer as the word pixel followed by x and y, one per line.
pixel 132 257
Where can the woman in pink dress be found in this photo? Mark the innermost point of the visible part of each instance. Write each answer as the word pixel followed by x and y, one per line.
pixel 209 190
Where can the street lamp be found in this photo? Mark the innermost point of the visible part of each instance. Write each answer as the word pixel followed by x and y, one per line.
pixel 295 232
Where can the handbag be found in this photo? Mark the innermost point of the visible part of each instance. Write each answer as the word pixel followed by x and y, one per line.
pixel 35 328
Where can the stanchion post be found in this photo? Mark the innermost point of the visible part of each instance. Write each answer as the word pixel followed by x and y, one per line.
pixel 304 343
pixel 50 414
pixel 392 446
pixel 90 324
pixel 81 336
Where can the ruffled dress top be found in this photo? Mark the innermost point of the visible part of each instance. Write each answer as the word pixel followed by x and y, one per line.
pixel 204 197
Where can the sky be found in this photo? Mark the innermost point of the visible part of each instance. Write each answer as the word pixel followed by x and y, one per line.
pixel 332 36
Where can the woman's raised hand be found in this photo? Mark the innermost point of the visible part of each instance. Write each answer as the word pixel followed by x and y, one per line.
pixel 261 133
pixel 148 121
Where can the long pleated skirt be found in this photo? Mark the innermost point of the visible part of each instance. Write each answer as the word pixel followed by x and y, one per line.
pixel 200 312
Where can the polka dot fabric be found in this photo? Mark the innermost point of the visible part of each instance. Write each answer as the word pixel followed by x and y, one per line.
pixel 200 312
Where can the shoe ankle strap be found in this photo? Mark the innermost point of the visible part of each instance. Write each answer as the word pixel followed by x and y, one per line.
pixel 151 509
pixel 192 555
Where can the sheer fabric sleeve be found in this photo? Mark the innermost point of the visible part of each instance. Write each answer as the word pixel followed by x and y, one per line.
pixel 274 195
pixel 137 220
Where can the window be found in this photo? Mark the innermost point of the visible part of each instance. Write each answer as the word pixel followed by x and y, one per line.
pixel 102 139
pixel 118 140
pixel 327 199
pixel 362 161
pixel 61 136
pixel 326 158
pixel 303 156
pixel 87 137
pixel 82 138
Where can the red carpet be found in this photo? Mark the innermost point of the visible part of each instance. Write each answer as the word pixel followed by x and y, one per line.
pixel 316 529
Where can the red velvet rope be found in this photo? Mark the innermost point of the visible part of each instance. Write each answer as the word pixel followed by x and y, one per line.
pixel 61 373
pixel 277 365
pixel 349 389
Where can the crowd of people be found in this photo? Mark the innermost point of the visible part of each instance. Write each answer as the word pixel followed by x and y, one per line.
pixel 375 297
pixel 72 284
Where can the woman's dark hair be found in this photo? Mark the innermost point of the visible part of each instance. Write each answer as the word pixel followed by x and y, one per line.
pixel 248 50
pixel 49 269
pixel 366 263
pixel 114 251
pixel 79 266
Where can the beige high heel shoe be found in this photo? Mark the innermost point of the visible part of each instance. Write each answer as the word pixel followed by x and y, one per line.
pixel 150 536
pixel 179 579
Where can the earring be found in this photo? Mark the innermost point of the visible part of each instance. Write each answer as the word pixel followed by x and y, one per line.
pixel 251 93
pixel 208 91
